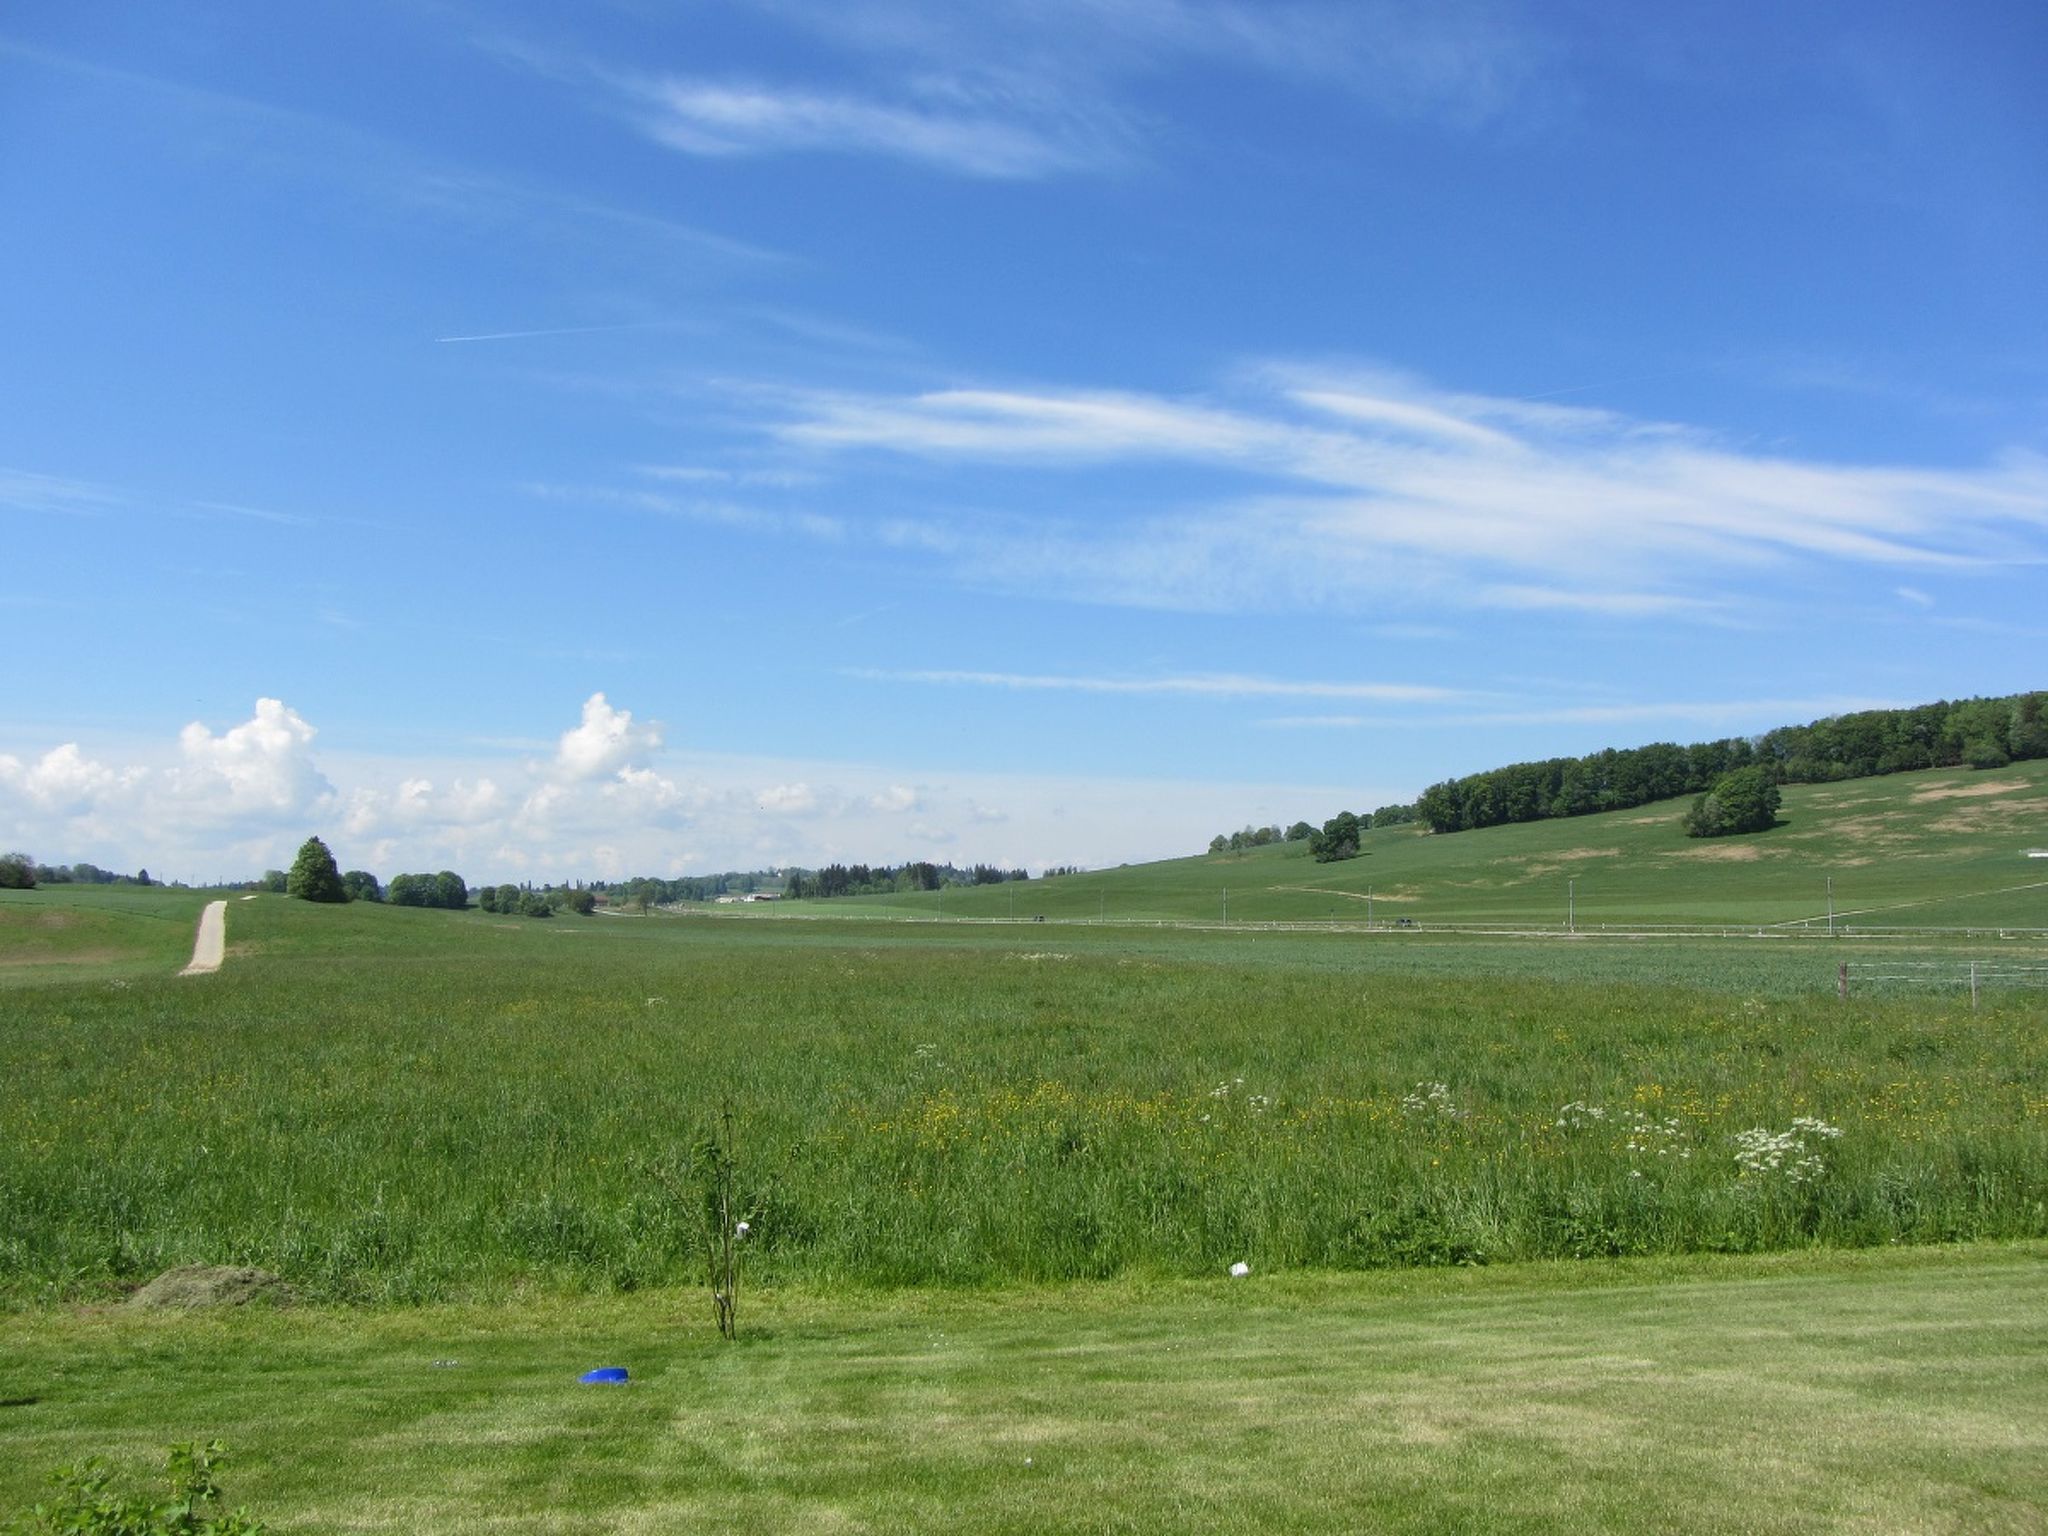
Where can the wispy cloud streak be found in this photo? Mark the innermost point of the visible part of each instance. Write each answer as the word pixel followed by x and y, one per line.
pixel 1205 685
pixel 1353 486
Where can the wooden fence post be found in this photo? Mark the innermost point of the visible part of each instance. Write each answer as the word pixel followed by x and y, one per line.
pixel 1842 982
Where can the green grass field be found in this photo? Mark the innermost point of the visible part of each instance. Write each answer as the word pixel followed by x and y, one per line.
pixel 389 1104
pixel 1546 1233
pixel 97 933
pixel 1944 848
pixel 1901 1391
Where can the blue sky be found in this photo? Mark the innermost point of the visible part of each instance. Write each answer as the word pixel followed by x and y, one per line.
pixel 638 437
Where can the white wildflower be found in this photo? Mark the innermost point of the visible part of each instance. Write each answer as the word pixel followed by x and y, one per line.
pixel 1239 1270
pixel 1432 1098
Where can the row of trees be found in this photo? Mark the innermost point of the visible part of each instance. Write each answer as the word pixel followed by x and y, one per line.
pixel 880 880
pixel 356 884
pixel 20 872
pixel 445 889
pixel 644 891
pixel 1336 839
pixel 1257 837
pixel 525 901
pixel 1982 733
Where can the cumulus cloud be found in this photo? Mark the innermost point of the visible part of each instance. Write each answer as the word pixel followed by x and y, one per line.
pixel 607 740
pixel 65 779
pixel 418 800
pixel 264 765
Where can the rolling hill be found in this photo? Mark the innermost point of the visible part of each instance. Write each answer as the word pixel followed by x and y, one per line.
pixel 1942 848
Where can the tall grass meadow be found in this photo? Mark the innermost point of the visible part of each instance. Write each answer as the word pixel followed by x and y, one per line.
pixel 405 1106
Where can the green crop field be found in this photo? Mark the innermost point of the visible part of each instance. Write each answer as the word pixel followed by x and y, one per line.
pixel 1944 848
pixel 1521 1212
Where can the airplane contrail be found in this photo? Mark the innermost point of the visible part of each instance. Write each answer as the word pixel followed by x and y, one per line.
pixel 565 330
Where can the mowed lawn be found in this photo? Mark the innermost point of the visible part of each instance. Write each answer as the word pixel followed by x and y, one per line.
pixel 1898 1391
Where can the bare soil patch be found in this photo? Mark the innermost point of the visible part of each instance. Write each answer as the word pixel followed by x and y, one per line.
pixel 1972 791
pixel 2001 816
pixel 1724 853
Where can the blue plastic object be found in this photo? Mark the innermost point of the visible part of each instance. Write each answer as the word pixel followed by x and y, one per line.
pixel 615 1374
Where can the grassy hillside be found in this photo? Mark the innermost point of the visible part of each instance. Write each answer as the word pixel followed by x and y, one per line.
pixel 1943 848
pixel 95 931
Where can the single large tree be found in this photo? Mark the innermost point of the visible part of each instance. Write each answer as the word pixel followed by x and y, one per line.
pixel 1338 839
pixel 1743 801
pixel 314 875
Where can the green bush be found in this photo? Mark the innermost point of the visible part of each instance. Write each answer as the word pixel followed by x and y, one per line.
pixel 85 1505
pixel 1743 801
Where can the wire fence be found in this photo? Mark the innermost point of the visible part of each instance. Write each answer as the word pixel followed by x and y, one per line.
pixel 1865 977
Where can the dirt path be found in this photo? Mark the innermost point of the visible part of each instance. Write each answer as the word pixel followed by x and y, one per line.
pixel 212 943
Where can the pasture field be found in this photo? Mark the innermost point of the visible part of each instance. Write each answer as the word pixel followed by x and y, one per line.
pixel 1941 848
pixel 1893 1391
pixel 402 1105
pixel 94 932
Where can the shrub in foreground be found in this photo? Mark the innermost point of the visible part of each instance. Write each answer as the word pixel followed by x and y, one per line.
pixel 86 1505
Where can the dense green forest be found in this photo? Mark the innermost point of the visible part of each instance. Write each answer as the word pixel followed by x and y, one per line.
pixel 1983 733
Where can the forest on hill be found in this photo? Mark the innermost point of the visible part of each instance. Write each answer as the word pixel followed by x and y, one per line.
pixel 1980 733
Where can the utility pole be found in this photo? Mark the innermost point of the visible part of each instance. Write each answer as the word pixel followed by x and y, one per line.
pixel 1226 906
pixel 1368 909
pixel 1831 906
pixel 1571 908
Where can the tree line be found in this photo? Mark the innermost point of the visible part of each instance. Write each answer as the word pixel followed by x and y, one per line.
pixel 1979 733
pixel 885 879
pixel 1335 839
pixel 20 872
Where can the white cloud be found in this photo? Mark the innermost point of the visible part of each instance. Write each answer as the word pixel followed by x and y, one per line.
pixel 264 765
pixel 209 805
pixel 418 800
pixel 788 799
pixel 1011 89
pixel 1364 488
pixel 897 799
pixel 606 740
pixel 65 779
pixel 703 117
pixel 1203 685
pixel 1914 596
